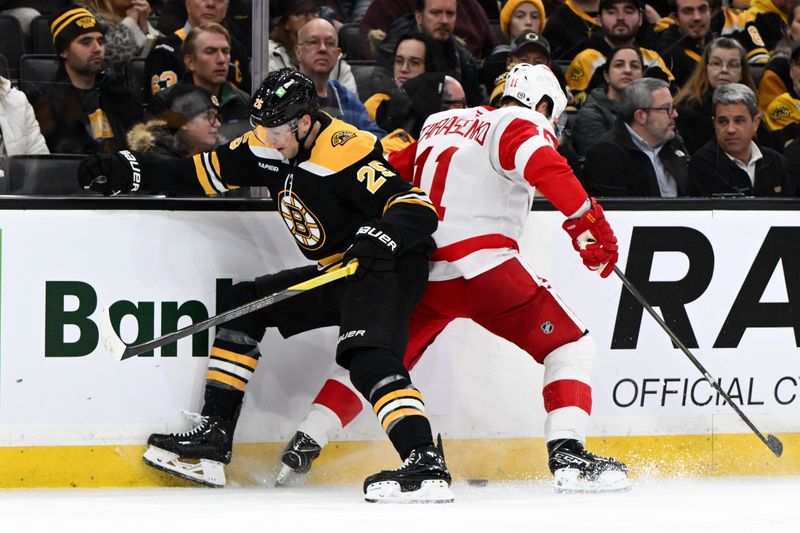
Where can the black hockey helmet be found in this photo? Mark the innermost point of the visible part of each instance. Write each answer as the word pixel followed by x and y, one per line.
pixel 284 95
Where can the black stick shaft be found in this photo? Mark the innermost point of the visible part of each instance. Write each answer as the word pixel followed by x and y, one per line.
pixel 771 441
pixel 136 349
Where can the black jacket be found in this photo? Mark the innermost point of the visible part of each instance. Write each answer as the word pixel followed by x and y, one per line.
pixel 615 166
pixel 70 117
pixel 711 172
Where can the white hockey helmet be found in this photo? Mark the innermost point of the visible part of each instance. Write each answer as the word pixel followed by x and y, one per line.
pixel 529 83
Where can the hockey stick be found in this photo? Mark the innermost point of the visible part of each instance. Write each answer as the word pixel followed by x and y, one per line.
pixel 772 442
pixel 120 351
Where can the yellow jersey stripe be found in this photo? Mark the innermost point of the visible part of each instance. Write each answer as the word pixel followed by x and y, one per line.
pixel 202 176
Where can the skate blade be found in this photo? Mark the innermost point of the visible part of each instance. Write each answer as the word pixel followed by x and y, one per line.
pixel 569 481
pixel 430 491
pixel 289 478
pixel 205 472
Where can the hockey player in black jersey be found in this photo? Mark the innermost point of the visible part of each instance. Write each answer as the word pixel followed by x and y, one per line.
pixel 341 200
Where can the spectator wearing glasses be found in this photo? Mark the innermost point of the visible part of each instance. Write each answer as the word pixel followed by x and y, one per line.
pixel 188 125
pixel 641 156
pixel 283 40
pixel 598 115
pixel 733 163
pixel 206 54
pixel 783 112
pixel 415 54
pixel 723 62
pixel 317 52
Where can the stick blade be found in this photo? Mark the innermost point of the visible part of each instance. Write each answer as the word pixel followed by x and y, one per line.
pixel 109 339
pixel 775 445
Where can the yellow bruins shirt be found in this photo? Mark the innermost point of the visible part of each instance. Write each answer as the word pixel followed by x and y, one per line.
pixel 584 73
pixel 323 195
pixel 782 112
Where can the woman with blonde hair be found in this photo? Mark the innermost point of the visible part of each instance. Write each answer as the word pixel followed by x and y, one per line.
pixel 129 33
pixel 724 61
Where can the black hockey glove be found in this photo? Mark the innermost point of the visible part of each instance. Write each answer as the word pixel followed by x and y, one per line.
pixel 110 174
pixel 374 248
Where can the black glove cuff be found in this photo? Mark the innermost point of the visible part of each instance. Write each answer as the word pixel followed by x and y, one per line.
pixel 376 233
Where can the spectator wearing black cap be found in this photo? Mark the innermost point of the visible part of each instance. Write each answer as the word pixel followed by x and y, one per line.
pixel 527 47
pixel 621 21
pixel 84 109
pixel 783 113
pixel 206 54
pixel 293 15
pixel 164 65
pixel 187 125
pixel 516 17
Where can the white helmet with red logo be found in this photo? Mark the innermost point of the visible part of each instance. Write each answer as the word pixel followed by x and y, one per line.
pixel 528 84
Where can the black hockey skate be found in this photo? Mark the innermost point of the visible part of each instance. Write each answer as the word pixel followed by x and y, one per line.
pixel 423 478
pixel 198 454
pixel 577 470
pixel 296 459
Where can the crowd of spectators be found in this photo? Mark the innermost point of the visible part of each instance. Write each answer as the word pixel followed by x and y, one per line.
pixel 668 98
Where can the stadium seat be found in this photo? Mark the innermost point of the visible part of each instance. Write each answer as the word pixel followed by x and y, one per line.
pixel 35 69
pixel 350 41
pixel 4 67
pixel 12 44
pixel 756 71
pixel 42 39
pixel 43 175
pixel 370 78
pixel 135 77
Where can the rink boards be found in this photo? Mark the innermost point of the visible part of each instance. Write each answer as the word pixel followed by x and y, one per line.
pixel 729 281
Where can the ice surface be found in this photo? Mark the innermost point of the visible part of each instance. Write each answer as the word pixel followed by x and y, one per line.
pixel 753 505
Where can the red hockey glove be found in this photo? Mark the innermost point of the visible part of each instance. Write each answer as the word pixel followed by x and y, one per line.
pixel 594 239
pixel 374 248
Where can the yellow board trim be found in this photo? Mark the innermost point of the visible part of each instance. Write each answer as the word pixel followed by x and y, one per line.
pixel 343 463
pixel 228 355
pixel 402 393
pixel 237 383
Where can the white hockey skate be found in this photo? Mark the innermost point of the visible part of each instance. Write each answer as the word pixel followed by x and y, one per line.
pixel 423 478
pixel 577 470
pixel 198 455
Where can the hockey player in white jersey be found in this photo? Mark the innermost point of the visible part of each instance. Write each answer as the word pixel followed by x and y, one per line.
pixel 480 167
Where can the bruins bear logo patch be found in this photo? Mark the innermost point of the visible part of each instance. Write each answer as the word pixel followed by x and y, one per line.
pixel 341 137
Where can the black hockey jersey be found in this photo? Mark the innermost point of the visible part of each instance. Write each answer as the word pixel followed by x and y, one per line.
pixel 324 195
pixel 164 64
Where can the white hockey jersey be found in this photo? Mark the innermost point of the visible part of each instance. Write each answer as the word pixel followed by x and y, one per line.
pixel 480 167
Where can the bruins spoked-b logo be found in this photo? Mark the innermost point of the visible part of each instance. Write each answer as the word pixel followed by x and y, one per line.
pixel 341 137
pixel 303 224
